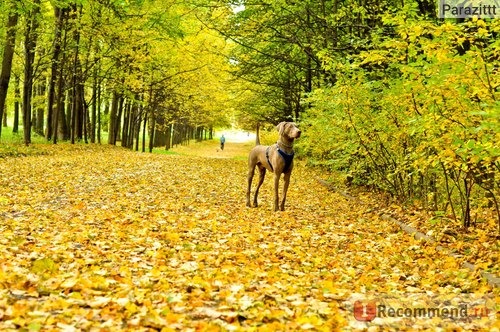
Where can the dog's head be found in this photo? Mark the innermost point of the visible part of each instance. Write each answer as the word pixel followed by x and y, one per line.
pixel 289 130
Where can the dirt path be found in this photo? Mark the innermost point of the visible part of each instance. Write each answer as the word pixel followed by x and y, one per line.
pixel 106 238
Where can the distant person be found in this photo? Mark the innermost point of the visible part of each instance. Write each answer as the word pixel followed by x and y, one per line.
pixel 222 142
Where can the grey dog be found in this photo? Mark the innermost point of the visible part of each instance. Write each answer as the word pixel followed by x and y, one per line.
pixel 277 158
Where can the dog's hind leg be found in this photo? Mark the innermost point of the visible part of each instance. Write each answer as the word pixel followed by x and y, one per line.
pixel 262 174
pixel 251 171
pixel 286 182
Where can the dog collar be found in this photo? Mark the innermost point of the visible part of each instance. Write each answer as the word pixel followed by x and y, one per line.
pixel 284 144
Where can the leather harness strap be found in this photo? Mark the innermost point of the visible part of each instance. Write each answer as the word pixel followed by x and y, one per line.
pixel 287 158
pixel 267 157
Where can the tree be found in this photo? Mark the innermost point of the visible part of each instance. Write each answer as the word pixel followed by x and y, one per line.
pixel 30 43
pixel 55 96
pixel 8 54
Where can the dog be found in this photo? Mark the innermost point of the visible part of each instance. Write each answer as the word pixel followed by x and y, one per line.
pixel 278 159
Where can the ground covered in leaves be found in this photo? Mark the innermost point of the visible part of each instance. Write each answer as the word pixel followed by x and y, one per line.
pixel 101 238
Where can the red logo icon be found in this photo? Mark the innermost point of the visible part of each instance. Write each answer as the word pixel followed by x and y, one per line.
pixel 365 311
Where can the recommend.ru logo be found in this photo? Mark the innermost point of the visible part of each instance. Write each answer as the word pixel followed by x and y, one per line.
pixel 464 310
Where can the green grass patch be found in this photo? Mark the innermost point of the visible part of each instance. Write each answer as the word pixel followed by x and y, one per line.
pixel 166 152
pixel 12 144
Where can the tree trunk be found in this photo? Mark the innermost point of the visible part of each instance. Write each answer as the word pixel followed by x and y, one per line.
pixel 138 126
pixel 126 123
pixel 17 95
pixel 8 54
pixel 99 114
pixel 85 115
pixel 113 118
pixel 257 134
pixel 93 118
pixel 54 68
pixel 76 107
pixel 4 119
pixel 144 128
pixel 40 110
pixel 118 123
pixel 134 122
pixel 150 118
pixel 60 128
pixel 59 124
pixel 152 125
pixel 168 144
pixel 30 40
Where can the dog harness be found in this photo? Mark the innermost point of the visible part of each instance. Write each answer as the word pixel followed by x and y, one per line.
pixel 287 158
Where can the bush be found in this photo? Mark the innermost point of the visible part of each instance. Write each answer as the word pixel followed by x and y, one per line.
pixel 416 118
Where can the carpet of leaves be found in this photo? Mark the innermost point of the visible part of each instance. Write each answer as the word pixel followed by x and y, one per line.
pixel 100 238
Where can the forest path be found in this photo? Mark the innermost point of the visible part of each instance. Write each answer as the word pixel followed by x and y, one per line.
pixel 101 237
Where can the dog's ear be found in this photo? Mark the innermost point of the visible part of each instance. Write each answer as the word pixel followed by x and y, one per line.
pixel 281 127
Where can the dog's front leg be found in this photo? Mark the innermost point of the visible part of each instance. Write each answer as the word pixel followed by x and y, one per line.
pixel 276 190
pixel 286 180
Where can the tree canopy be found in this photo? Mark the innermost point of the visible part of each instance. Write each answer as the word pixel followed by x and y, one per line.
pixel 91 65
